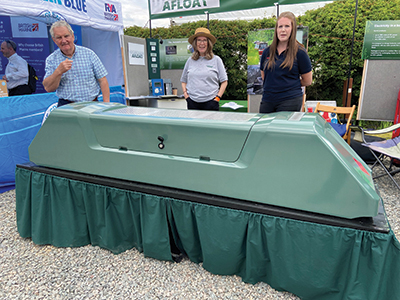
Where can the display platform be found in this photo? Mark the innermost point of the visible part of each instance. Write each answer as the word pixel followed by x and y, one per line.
pixel 378 223
pixel 278 198
pixel 312 260
pixel 290 160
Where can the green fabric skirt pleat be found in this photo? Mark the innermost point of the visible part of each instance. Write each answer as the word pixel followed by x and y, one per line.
pixel 311 260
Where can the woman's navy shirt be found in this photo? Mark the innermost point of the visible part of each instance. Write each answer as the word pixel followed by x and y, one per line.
pixel 281 83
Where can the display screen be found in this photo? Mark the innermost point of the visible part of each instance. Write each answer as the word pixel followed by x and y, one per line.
pixel 170 50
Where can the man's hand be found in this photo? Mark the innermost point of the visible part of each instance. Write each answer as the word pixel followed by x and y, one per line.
pixel 52 82
pixel 65 66
pixel 5 78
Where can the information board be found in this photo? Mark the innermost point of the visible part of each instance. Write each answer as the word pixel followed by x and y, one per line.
pixel 381 78
pixel 174 53
pixel 381 40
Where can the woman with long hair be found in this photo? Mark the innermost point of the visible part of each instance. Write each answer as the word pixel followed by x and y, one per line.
pixel 285 67
pixel 204 77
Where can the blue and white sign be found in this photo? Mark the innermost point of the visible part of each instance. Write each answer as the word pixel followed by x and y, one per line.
pixel 22 27
pixel 98 14
pixel 32 43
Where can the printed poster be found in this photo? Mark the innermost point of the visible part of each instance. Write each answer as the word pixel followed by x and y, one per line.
pixel 381 40
pixel 136 54
pixel 174 53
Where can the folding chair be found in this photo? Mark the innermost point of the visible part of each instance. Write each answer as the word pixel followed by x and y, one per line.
pixel 342 129
pixel 387 148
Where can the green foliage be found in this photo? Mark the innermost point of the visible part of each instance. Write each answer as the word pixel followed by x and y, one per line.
pixel 253 54
pixel 374 125
pixel 331 32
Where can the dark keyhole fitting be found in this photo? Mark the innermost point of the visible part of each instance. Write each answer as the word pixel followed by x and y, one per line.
pixel 161 144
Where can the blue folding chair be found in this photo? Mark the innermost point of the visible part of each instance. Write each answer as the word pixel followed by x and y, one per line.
pixel 387 148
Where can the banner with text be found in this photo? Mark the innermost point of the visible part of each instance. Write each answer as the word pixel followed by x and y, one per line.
pixel 32 43
pixel 381 40
pixel 178 8
pixel 98 14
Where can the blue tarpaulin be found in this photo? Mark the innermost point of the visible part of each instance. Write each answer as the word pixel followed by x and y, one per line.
pixel 20 120
pixel 117 95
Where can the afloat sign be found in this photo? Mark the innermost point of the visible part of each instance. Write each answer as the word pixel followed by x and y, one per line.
pixel 168 6
pixel 136 54
pixel 179 8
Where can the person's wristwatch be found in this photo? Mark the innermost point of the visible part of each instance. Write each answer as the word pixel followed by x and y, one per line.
pixel 217 98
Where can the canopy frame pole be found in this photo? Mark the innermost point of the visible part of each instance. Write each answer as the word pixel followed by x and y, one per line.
pixel 149 7
pixel 277 9
pixel 351 57
pixel 150 26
